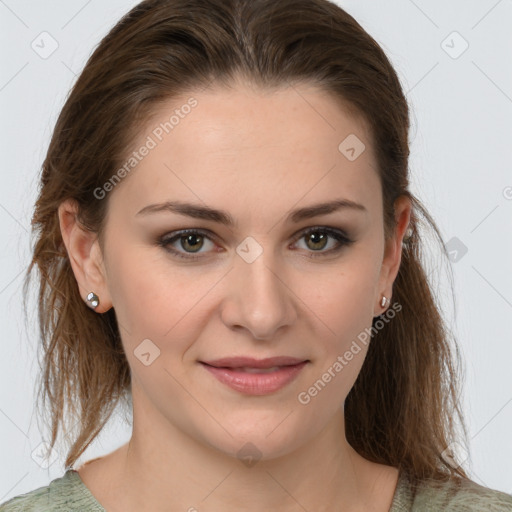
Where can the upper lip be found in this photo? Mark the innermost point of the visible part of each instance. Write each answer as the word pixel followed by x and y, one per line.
pixel 249 362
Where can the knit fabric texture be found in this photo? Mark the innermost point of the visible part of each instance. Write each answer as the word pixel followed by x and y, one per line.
pixel 69 494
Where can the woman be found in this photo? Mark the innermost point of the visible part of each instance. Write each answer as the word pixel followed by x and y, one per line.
pixel 227 244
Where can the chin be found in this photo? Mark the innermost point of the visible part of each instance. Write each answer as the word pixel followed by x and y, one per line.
pixel 254 437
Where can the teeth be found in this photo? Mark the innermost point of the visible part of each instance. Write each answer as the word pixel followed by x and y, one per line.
pixel 258 370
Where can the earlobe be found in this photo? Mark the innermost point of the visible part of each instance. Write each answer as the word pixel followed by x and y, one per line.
pixel 85 256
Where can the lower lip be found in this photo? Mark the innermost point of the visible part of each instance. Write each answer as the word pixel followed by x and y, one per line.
pixel 256 383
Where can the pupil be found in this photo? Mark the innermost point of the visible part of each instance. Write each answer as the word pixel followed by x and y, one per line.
pixel 319 239
pixel 192 240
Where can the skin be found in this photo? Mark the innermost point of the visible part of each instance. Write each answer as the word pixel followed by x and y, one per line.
pixel 188 427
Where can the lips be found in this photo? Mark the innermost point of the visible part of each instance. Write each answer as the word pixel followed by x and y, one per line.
pixel 249 362
pixel 255 376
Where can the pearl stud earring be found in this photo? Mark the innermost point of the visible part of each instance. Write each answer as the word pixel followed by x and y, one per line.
pixel 93 300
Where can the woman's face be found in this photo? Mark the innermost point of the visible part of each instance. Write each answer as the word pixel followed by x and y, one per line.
pixel 257 287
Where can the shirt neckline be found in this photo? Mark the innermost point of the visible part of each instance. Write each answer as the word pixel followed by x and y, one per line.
pixel 396 503
pixel 84 491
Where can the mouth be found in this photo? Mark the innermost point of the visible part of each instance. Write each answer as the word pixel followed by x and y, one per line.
pixel 255 377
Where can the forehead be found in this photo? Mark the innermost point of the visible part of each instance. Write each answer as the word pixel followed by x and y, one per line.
pixel 248 146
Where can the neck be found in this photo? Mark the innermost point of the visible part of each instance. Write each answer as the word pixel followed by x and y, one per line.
pixel 170 470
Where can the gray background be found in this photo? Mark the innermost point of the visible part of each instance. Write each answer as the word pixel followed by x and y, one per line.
pixel 460 165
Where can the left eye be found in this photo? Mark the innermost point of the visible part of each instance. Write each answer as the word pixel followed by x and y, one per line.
pixel 319 239
pixel 319 236
pixel 192 241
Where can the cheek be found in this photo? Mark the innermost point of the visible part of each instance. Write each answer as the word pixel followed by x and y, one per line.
pixel 157 300
pixel 343 299
pixel 342 341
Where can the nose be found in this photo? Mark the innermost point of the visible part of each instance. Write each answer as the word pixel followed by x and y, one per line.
pixel 258 298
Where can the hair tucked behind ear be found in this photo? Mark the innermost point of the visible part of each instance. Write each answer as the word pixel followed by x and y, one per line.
pixel 404 406
pixel 403 409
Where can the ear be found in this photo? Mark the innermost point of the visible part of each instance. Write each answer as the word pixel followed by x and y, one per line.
pixel 393 251
pixel 84 255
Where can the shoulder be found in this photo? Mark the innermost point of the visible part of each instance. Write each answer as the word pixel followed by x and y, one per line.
pixel 67 493
pixel 454 495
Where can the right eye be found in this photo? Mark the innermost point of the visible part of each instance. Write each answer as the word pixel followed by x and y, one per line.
pixel 187 239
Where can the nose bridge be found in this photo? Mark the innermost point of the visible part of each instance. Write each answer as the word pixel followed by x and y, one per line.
pixel 261 301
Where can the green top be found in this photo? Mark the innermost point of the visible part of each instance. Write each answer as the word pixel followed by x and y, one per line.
pixel 69 494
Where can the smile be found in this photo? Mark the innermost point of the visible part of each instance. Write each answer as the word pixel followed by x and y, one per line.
pixel 253 380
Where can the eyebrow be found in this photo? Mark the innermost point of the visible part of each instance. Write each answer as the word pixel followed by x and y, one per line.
pixel 221 216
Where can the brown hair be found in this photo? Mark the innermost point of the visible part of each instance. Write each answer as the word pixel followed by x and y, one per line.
pixel 404 407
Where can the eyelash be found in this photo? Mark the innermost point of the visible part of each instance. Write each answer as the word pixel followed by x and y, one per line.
pixel 342 239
